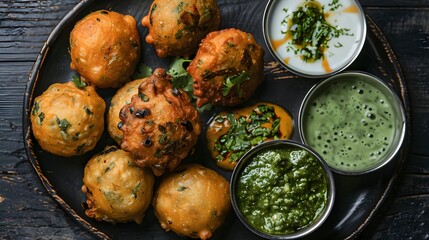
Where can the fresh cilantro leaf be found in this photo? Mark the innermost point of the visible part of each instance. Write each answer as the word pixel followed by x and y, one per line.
pixel 205 107
pixel 136 189
pixel 237 80
pixel 246 132
pixel 142 71
pixel 63 124
pixel 78 82
pixel 181 78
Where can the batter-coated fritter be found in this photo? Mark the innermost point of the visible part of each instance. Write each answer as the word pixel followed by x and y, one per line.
pixel 227 69
pixel 122 97
pixel 105 48
pixel 176 27
pixel 117 189
pixel 67 120
pixel 160 126
pixel 192 201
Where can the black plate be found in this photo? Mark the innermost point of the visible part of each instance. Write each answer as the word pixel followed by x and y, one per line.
pixel 357 197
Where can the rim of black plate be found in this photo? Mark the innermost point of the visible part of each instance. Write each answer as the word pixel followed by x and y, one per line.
pixel 70 16
pixel 28 99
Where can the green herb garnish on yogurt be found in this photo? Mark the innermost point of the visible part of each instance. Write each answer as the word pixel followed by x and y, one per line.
pixel 309 31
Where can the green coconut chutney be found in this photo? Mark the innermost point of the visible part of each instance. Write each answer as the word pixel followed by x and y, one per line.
pixel 351 123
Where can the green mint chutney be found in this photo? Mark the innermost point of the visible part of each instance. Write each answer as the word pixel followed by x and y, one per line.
pixel 282 190
pixel 351 123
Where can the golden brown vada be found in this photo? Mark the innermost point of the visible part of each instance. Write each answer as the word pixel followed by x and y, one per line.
pixel 160 126
pixel 227 69
pixel 121 98
pixel 192 201
pixel 105 48
pixel 176 27
pixel 68 120
pixel 117 189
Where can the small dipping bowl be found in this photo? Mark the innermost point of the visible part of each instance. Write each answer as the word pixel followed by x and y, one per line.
pixel 354 121
pixel 282 189
pixel 340 51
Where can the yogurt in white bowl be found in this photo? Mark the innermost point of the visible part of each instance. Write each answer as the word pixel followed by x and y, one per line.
pixel 314 38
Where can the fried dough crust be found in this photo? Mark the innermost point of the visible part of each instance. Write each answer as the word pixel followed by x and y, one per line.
pixel 117 189
pixel 105 48
pixel 160 126
pixel 176 27
pixel 192 201
pixel 67 120
pixel 225 54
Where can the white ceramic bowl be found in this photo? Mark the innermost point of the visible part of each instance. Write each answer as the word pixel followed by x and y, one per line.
pixel 340 52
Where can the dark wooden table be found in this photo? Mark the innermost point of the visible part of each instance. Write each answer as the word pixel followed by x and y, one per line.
pixel 28 212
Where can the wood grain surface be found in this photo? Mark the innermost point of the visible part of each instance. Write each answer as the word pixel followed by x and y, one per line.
pixel 28 212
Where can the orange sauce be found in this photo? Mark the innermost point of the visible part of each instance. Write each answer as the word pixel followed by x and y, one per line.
pixel 216 130
pixel 278 43
pixel 351 9
pixel 286 60
pixel 326 15
pixel 325 65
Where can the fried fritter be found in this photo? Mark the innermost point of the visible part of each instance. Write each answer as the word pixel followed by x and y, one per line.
pixel 122 97
pixel 192 201
pixel 227 69
pixel 67 120
pixel 176 27
pixel 117 189
pixel 105 48
pixel 160 126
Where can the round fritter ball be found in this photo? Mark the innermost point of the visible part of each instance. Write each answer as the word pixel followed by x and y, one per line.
pixel 67 120
pixel 176 27
pixel 192 201
pixel 117 189
pixel 160 126
pixel 105 48
pixel 122 97
pixel 227 69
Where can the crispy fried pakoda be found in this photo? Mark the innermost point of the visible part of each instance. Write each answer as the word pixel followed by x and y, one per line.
pixel 160 126
pixel 68 120
pixel 117 189
pixel 121 98
pixel 176 27
pixel 105 48
pixel 227 69
pixel 192 201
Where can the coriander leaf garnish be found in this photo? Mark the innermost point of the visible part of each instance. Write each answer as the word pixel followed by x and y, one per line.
pixel 63 124
pixel 246 131
pixel 35 109
pixel 237 80
pixel 311 32
pixel 205 107
pixel 183 80
pixel 78 82
pixel 136 189
pixel 142 71
pixel 181 188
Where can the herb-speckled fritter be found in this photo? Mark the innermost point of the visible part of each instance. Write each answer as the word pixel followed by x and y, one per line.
pixel 192 201
pixel 227 69
pixel 176 27
pixel 122 97
pixel 105 48
pixel 68 120
pixel 160 126
pixel 117 189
